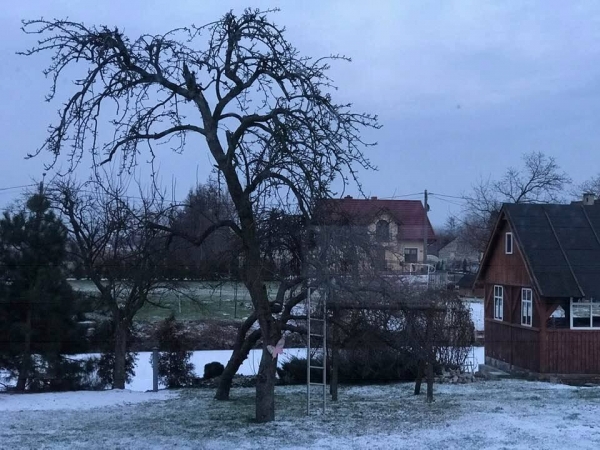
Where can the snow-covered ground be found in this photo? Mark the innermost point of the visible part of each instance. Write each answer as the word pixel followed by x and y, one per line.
pixel 142 381
pixel 78 400
pixel 508 414
pixel 477 315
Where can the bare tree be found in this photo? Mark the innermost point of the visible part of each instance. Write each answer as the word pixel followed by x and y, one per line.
pixel 216 256
pixel 540 180
pixel 591 186
pixel 440 331
pixel 264 112
pixel 120 253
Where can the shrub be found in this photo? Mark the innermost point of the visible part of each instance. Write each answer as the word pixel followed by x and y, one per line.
pixel 174 367
pixel 355 367
pixel 105 365
pixel 213 369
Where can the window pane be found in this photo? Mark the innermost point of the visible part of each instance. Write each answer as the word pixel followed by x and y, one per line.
pixel 596 314
pixel 410 255
pixel 382 231
pixel 581 314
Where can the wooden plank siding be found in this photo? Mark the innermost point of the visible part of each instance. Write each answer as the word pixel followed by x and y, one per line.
pixel 572 352
pixel 506 269
pixel 508 340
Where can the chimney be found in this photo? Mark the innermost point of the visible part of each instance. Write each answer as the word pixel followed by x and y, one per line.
pixel 373 198
pixel 588 198
pixel 349 197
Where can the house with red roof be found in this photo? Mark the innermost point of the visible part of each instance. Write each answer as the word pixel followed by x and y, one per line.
pixel 398 227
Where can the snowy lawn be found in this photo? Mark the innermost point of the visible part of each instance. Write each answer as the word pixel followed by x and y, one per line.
pixel 507 414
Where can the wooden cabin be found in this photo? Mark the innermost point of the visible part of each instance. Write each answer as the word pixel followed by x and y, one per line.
pixel 541 279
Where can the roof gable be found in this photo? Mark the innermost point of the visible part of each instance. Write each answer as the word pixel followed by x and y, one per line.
pixel 409 214
pixel 560 246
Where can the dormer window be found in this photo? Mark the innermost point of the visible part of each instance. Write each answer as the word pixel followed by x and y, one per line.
pixel 382 231
pixel 508 243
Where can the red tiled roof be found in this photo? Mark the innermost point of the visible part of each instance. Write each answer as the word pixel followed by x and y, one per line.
pixel 408 213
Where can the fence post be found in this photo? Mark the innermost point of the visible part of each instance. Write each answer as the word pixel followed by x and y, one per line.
pixel 155 369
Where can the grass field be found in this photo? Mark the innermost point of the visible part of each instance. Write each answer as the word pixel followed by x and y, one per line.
pixel 192 300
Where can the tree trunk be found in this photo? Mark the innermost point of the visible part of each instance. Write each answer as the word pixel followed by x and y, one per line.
pixel 335 366
pixel 430 382
pixel 419 380
pixel 265 388
pixel 254 281
pixel 120 355
pixel 335 361
pixel 239 355
pixel 26 355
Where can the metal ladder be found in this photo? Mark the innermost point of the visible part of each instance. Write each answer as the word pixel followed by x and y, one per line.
pixel 320 335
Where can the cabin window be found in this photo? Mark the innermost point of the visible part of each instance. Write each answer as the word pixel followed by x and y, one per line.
pixel 411 255
pixel 526 307
pixel 498 302
pixel 585 313
pixel 382 231
pixel 508 243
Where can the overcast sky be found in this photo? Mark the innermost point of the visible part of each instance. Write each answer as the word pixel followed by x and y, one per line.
pixel 462 88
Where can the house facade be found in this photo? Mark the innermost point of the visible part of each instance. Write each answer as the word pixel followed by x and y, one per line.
pixel 458 253
pixel 396 227
pixel 541 280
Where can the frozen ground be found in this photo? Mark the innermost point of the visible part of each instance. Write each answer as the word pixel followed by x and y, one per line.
pixel 476 308
pixel 142 381
pixel 78 400
pixel 508 414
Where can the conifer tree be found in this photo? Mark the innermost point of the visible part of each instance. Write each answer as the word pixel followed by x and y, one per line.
pixel 37 323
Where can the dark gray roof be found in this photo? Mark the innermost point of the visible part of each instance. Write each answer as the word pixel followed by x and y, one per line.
pixel 561 246
pixel 467 280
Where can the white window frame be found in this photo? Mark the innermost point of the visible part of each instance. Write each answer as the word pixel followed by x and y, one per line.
pixel 498 302
pixel 411 248
pixel 591 303
pixel 526 306
pixel 512 243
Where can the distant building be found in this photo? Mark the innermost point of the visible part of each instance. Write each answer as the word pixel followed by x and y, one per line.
pixel 396 227
pixel 458 253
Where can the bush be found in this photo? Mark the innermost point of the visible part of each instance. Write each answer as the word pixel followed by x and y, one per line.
pixel 355 367
pixel 105 368
pixel 213 370
pixel 174 367
pixel 293 371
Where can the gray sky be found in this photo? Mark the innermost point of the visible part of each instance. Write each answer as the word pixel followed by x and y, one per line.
pixel 462 88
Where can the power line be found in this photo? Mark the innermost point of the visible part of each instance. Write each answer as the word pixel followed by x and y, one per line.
pixel 449 196
pixel 448 201
pixel 17 187
pixel 402 196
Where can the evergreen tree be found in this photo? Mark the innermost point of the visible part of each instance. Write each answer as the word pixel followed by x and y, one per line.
pixel 36 303
pixel 174 367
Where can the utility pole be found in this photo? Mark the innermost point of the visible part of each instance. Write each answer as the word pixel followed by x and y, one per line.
pixel 425 230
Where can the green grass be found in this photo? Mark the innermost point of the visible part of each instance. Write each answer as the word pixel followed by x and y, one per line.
pixel 194 301
pixel 186 309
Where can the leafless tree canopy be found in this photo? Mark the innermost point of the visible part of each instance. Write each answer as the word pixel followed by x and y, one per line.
pixel 120 253
pixel 264 112
pixel 540 180
pixel 591 186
